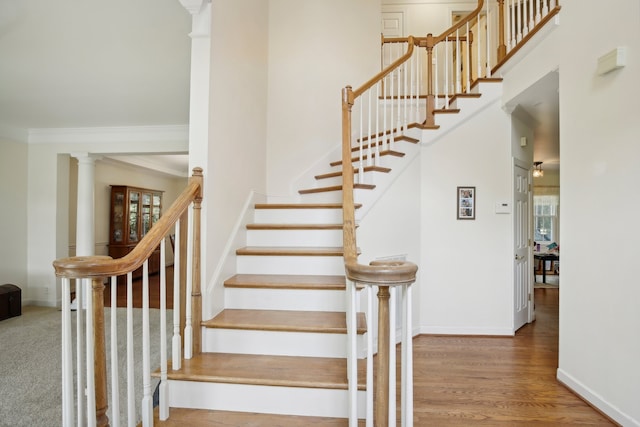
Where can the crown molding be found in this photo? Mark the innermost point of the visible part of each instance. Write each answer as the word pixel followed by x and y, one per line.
pixel 108 134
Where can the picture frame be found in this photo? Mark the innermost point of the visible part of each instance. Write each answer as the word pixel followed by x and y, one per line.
pixel 466 202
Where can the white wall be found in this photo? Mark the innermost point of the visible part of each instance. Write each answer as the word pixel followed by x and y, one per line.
pixel 13 220
pixel 237 127
pixel 599 318
pixel 427 16
pixel 466 279
pixel 315 49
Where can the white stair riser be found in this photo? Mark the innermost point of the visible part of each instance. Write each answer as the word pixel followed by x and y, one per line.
pixel 284 299
pixel 262 399
pixel 298 216
pixel 332 196
pixel 280 343
pixel 321 265
pixel 303 238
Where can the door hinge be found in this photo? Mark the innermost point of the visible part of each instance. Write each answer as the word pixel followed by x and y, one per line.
pixel 529 240
pixel 529 298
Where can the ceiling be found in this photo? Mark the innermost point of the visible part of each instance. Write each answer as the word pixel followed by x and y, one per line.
pixel 538 107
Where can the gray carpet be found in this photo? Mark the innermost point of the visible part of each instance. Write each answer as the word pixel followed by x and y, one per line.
pixel 30 359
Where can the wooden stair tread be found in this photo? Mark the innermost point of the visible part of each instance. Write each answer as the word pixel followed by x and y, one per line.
pixel 302 205
pixel 294 226
pixel 290 251
pixel 336 188
pixel 181 417
pixel 285 281
pixel 332 322
pixel 446 111
pixel 383 134
pixel 382 153
pixel 268 370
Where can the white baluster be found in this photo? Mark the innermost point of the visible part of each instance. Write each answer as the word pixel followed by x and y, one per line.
pixel 488 42
pixel 80 360
pixel 392 357
pixel 360 145
pixel 407 358
pixel 537 9
pixel 545 7
pixel 369 380
pixel 164 385
pixel 446 72
pixel 377 138
pixel 67 357
pixel 513 24
pixel 370 159
pixel 115 381
pixel 147 402
pixel 90 370
pixel 131 393
pixel 479 48
pixel 436 80
pixel 508 14
pixel 519 20
pixel 531 14
pixel 467 60
pixel 352 358
pixel 458 72
pixel 176 343
pixel 525 20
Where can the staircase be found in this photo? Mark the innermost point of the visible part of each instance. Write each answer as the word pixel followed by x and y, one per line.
pixel 279 345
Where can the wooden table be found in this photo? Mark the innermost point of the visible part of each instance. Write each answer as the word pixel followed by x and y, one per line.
pixel 546 257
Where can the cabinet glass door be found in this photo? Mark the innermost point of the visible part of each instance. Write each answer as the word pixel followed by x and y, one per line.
pixel 146 214
pixel 118 212
pixel 134 202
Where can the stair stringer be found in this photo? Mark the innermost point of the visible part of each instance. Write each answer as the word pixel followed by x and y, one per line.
pixel 490 91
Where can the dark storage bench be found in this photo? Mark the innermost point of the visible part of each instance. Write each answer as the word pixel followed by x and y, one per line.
pixel 10 301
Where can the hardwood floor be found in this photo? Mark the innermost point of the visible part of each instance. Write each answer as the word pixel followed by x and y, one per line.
pixel 463 381
pixel 494 381
pixel 136 287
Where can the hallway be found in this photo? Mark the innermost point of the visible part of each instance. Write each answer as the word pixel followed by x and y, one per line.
pixel 461 381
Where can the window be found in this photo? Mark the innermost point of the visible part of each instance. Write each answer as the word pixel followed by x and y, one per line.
pixel 545 218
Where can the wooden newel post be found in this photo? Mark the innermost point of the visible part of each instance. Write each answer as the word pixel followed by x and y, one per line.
pixel 381 417
pixel 196 295
pixel 502 47
pixel 431 99
pixel 99 353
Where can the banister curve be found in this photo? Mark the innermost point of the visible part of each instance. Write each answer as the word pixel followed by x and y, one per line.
pixel 105 266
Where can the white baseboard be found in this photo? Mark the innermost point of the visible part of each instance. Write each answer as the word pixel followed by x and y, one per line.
pixel 596 400
pixel 41 303
pixel 465 330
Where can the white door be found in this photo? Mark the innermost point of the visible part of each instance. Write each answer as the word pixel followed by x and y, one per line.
pixel 392 24
pixel 522 280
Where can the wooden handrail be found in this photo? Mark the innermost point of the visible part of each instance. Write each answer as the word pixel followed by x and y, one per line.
pixel 104 266
pixel 463 21
pixel 382 74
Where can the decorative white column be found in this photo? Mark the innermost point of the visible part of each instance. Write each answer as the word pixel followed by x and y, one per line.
pixel 199 109
pixel 85 214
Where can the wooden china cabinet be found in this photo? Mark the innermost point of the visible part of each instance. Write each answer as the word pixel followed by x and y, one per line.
pixel 134 210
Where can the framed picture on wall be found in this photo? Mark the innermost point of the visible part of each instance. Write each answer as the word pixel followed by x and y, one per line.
pixel 466 206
